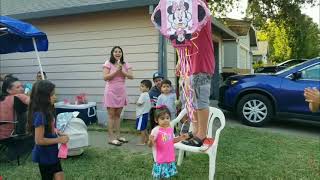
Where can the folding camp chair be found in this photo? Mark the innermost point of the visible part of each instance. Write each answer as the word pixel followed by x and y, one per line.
pixel 216 123
pixel 17 142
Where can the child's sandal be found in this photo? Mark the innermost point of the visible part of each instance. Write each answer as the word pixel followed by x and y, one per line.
pixel 115 142
pixel 122 139
pixel 195 141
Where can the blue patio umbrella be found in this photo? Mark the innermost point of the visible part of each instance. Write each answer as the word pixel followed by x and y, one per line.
pixel 18 36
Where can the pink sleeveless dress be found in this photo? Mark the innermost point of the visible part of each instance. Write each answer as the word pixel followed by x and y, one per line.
pixel 115 94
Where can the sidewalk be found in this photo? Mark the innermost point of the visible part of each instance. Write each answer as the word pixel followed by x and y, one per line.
pixel 99 139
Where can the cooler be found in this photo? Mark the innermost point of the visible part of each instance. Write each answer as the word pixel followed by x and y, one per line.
pixel 88 112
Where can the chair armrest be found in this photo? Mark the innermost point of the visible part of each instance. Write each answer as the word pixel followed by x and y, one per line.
pixel 178 118
pixel 8 122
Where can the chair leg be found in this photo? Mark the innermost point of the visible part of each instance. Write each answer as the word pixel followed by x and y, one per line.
pixel 212 166
pixel 18 159
pixel 180 157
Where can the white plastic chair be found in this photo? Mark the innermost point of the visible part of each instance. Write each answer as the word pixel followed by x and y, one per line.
pixel 214 116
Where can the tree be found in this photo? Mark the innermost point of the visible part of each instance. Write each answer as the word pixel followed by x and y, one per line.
pixel 261 10
pixel 286 41
pixel 304 36
pixel 277 37
pixel 290 34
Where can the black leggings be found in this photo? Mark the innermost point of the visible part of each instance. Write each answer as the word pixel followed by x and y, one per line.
pixel 47 171
pixel 152 122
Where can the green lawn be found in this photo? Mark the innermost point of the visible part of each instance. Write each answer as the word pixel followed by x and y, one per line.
pixel 242 154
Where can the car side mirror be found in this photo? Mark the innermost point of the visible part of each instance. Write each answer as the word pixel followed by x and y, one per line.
pixel 296 75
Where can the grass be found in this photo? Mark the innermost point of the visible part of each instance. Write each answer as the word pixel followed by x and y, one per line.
pixel 127 126
pixel 242 154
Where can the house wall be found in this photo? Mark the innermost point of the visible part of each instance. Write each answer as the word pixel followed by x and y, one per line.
pixel 171 63
pixel 244 56
pixel 80 44
pixel 244 59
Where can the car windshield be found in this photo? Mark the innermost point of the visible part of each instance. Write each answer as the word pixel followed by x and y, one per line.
pixel 268 69
pixel 287 69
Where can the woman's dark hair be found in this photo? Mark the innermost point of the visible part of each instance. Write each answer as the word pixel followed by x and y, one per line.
pixel 160 111
pixel 112 59
pixel 40 102
pixel 8 76
pixel 7 84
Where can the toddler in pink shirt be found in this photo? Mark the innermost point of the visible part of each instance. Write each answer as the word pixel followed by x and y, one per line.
pixel 161 140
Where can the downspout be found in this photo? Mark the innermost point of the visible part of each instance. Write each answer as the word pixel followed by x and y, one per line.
pixel 162 62
pixel 165 66
pixel 162 49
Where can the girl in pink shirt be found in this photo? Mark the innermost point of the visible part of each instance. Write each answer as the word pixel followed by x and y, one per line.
pixel 162 140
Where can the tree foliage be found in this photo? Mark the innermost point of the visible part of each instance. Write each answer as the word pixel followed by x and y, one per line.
pixel 277 10
pixel 261 10
pixel 277 37
pixel 300 40
pixel 290 33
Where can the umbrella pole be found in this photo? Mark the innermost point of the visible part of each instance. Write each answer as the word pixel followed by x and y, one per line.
pixel 38 57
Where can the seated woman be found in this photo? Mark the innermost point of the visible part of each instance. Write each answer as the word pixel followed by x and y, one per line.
pixel 11 88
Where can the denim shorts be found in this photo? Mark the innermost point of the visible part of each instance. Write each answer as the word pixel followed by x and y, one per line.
pixel 201 84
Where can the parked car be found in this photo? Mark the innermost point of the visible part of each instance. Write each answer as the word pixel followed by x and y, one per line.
pixel 279 67
pixel 257 98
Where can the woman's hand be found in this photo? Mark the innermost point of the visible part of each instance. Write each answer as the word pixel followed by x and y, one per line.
pixel 127 74
pixel 119 66
pixel 312 95
pixel 63 139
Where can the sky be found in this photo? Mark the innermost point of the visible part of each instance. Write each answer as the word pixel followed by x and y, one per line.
pixel 313 12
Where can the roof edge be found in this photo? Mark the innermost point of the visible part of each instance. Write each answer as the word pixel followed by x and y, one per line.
pixel 83 9
pixel 217 23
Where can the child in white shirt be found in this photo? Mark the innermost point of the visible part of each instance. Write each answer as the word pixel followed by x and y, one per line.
pixel 142 110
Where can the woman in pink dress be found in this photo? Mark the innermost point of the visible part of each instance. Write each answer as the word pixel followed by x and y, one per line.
pixel 115 72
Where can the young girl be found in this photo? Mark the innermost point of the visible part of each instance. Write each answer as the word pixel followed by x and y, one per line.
pixel 167 97
pixel 162 140
pixel 41 124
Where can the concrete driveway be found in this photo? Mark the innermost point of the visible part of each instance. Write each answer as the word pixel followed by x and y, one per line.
pixel 285 126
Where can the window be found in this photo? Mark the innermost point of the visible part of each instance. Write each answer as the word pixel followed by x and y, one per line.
pixel 311 73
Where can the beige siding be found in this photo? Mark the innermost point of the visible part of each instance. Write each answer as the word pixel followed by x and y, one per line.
pixel 244 59
pixel 80 44
pixel 171 64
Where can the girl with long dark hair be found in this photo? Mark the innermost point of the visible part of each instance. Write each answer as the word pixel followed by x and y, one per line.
pixel 42 125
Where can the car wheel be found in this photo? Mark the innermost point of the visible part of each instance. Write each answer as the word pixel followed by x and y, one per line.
pixel 254 110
